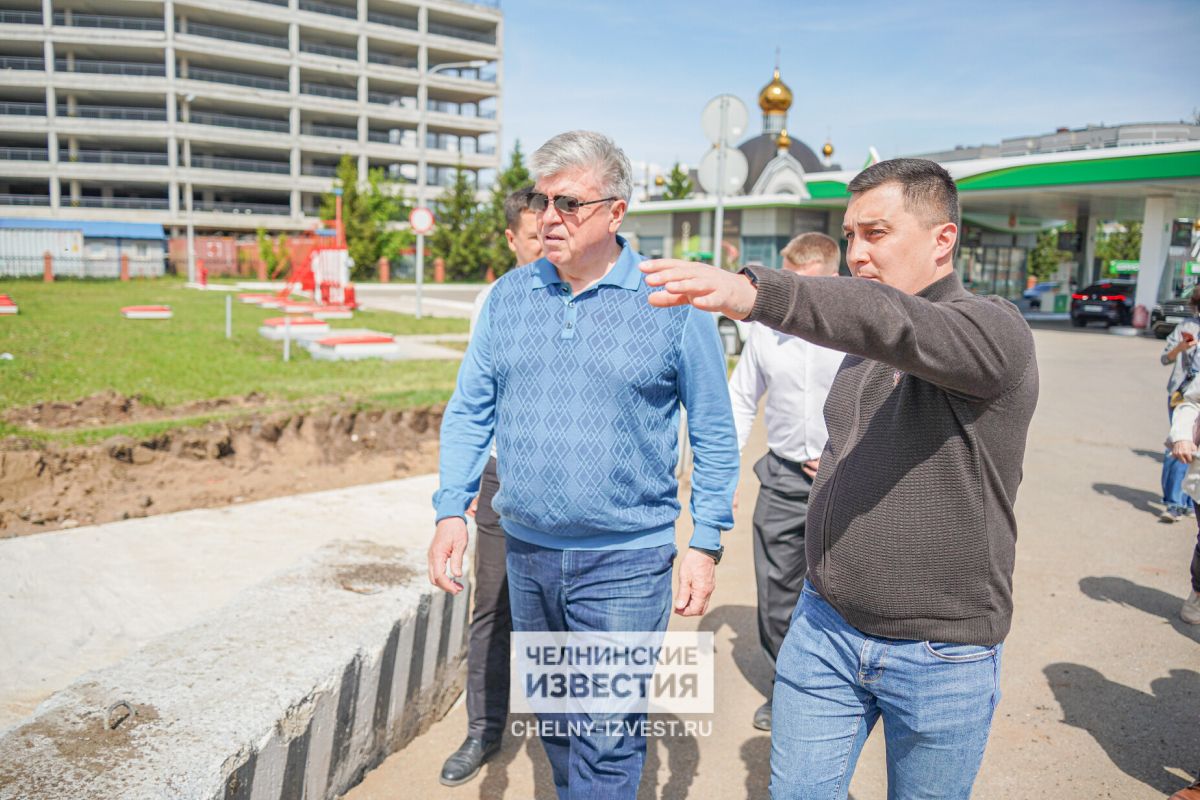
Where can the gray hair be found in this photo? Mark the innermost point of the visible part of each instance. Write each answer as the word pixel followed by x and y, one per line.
pixel 589 150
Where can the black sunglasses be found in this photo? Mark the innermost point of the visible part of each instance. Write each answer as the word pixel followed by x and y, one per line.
pixel 565 204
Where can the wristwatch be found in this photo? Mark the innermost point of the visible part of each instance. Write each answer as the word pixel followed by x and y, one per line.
pixel 715 555
pixel 749 273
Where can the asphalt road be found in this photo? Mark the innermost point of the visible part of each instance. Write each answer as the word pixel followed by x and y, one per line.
pixel 1101 680
pixel 437 300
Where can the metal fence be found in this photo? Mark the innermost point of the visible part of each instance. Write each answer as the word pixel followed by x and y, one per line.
pixel 79 20
pixel 328 8
pixel 80 266
pixel 237 79
pixel 23 109
pixel 15 17
pixel 325 90
pixel 406 62
pixel 129 68
pixel 331 50
pixel 114 112
pixel 241 164
pixel 234 35
pixel 236 121
pixel 383 18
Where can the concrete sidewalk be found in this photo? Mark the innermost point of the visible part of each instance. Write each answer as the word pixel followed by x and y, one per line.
pixel 245 652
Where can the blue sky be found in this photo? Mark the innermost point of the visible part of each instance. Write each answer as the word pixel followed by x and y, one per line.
pixel 904 77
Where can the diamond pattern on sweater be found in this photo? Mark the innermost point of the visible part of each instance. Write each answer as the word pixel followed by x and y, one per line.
pixel 589 419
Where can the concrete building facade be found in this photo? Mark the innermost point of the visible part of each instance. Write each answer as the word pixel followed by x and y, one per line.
pixel 233 114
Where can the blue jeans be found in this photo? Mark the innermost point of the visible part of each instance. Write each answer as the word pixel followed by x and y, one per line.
pixel 1173 472
pixel 832 683
pixel 591 590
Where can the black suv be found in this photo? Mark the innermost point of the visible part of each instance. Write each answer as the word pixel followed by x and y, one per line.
pixel 1110 302
pixel 1169 313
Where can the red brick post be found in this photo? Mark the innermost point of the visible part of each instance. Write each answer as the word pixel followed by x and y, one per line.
pixel 385 270
pixel 491 275
pixel 439 270
pixel 48 267
pixel 124 266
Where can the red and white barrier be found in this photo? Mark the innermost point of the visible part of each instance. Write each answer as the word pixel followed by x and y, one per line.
pixel 354 347
pixel 146 312
pixel 276 328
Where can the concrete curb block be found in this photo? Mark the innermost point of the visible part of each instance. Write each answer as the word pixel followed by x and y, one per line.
pixel 294 690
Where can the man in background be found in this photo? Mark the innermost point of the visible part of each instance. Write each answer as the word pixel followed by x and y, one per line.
pixel 491 620
pixel 796 376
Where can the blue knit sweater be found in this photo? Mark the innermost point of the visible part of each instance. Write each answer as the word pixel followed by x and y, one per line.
pixel 582 394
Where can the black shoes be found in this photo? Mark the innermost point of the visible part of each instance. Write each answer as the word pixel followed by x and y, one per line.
pixel 465 762
pixel 762 717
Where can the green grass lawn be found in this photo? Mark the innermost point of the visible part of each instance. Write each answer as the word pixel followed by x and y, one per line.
pixel 70 341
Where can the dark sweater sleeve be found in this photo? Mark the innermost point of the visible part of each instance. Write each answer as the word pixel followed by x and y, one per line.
pixel 971 346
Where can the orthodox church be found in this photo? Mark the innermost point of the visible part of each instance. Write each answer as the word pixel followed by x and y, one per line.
pixel 778 164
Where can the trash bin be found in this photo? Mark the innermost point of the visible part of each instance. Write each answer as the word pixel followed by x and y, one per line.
pixel 1062 304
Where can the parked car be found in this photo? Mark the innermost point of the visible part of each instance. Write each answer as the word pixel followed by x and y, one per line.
pixel 1110 302
pixel 1169 313
pixel 733 334
pixel 1034 293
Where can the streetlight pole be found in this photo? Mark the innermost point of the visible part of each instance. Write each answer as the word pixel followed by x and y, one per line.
pixel 191 228
pixel 422 164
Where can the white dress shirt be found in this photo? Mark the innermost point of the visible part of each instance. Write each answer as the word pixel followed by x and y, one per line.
pixel 796 376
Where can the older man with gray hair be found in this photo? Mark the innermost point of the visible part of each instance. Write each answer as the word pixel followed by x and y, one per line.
pixel 580 381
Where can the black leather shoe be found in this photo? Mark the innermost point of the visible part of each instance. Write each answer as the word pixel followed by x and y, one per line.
pixel 465 762
pixel 762 717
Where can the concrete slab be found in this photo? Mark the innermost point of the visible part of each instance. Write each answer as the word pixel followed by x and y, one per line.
pixel 256 651
pixel 296 661
pixel 81 599
pixel 406 348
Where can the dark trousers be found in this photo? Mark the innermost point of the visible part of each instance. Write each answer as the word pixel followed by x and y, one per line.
pixel 1196 559
pixel 491 621
pixel 779 565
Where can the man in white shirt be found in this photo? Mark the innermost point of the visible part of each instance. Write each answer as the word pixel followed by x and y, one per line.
pixel 796 376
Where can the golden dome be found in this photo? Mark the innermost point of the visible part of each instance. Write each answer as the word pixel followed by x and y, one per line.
pixel 784 141
pixel 659 180
pixel 827 150
pixel 775 97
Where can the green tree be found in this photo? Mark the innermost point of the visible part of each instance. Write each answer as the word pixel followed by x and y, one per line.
pixel 513 177
pixel 371 214
pixel 274 253
pixel 1045 257
pixel 460 235
pixel 679 185
pixel 1123 245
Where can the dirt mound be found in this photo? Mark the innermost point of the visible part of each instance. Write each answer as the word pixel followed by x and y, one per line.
pixel 253 457
pixel 111 408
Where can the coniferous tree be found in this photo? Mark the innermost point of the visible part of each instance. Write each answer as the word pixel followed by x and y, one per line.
pixel 459 237
pixel 679 185
pixel 513 177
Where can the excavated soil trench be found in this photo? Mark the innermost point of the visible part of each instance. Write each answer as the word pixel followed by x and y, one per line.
pixel 256 454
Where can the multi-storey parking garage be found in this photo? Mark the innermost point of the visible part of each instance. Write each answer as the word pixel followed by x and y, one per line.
pixel 233 114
